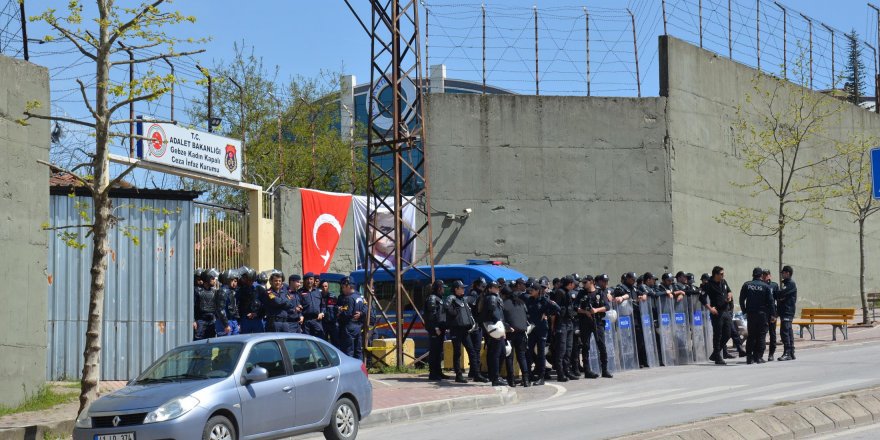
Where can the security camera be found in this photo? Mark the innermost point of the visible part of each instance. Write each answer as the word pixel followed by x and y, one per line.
pixel 468 210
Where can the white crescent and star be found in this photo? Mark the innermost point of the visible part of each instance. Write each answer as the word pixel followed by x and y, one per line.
pixel 325 219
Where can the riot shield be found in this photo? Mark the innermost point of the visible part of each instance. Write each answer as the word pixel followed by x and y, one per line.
pixel 611 346
pixel 594 356
pixel 626 342
pixel 698 335
pixel 681 332
pixel 648 333
pixel 707 330
pixel 664 322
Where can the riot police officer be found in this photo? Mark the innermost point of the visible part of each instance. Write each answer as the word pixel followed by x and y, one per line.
pixel 283 310
pixel 461 323
pixel 756 301
pixel 203 327
pixel 249 307
pixel 786 300
pixel 226 305
pixel 592 307
pixel 629 291
pixel 516 319
pixel 435 324
pixel 540 308
pixel 328 304
pixel 563 330
pixel 474 298
pixel 351 314
pixel 313 308
pixel 492 318
pixel 767 278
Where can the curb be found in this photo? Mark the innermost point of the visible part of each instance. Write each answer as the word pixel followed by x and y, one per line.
pixel 815 416
pixel 415 411
pixel 56 430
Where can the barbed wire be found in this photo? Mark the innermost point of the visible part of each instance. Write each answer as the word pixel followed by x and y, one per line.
pixel 11 41
pixel 583 50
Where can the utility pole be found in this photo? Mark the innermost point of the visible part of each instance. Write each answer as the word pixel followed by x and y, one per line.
pixel 210 97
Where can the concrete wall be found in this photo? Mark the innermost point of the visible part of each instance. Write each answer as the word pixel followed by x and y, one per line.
pixel 288 236
pixel 704 91
pixel 24 202
pixel 557 184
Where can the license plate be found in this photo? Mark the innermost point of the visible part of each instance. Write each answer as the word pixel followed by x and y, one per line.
pixel 120 436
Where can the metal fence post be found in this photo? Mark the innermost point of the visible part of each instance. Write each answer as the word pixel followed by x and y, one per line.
pixel 483 7
pixel 537 80
pixel 784 40
pixel 758 31
pixel 700 13
pixel 663 5
pixel 587 22
pixel 636 52
pixel 810 26
pixel 729 30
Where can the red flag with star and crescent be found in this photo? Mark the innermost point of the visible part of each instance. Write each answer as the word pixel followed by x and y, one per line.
pixel 323 216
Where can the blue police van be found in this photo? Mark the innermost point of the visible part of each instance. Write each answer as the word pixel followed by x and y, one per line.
pixel 419 286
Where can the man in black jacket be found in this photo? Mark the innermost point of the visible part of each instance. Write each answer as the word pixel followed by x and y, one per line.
pixel 716 298
pixel 756 301
pixel 771 322
pixel 491 314
pixel 460 321
pixel 435 324
pixel 786 302
pixel 563 331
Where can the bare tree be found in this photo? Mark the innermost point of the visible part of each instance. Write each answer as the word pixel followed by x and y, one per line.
pixel 851 172
pixel 140 29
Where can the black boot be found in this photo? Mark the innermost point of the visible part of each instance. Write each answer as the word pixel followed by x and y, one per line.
pixel 727 355
pixel 561 378
pixel 481 379
pixel 785 357
pixel 538 382
pixel 499 382
pixel 525 383
pixel 589 374
pixel 714 356
pixel 770 357
pixel 607 374
pixel 510 382
pixel 459 378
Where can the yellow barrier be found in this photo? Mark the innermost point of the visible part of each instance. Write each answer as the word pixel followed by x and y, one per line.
pixel 385 351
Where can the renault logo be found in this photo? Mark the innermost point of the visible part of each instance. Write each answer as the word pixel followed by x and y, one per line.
pixel 116 421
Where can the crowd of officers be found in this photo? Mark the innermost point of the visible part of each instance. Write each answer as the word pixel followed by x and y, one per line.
pixel 520 319
pixel 243 301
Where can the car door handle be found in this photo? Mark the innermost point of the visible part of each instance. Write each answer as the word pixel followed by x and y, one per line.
pixel 287 389
pixel 330 378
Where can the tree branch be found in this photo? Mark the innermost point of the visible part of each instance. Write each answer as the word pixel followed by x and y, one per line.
pixel 134 21
pixel 59 118
pixel 82 90
pixel 119 178
pixel 126 102
pixel 72 38
pixel 157 57
pixel 85 182
pixel 55 228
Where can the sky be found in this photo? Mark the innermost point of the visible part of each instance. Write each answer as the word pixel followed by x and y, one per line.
pixel 305 37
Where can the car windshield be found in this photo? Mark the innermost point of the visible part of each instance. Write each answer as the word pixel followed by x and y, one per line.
pixel 194 362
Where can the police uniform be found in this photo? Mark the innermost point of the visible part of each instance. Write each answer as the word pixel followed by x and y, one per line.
pixel 757 302
pixel 786 302
pixel 771 322
pixel 593 326
pixel 283 311
pixel 461 323
pixel 204 307
pixel 435 324
pixel 331 328
pixel 226 312
pixel 517 320
pixel 492 312
pixel 351 314
pixel 312 308
pixel 633 292
pixel 563 332
pixel 475 335
pixel 716 296
pixel 539 308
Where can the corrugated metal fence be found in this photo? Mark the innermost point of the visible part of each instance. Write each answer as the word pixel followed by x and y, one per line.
pixel 148 303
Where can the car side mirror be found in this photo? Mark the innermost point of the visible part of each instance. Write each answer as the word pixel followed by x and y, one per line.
pixel 257 374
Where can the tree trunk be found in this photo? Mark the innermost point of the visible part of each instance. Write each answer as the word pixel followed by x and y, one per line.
pixel 780 236
pixel 864 297
pixel 91 372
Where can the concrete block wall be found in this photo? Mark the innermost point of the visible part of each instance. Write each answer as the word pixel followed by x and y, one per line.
pixel 703 91
pixel 556 184
pixel 24 204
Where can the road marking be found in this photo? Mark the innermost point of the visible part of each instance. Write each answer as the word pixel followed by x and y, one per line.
pixel 560 390
pixel 381 382
pixel 746 392
pixel 815 389
pixel 601 400
pixel 677 396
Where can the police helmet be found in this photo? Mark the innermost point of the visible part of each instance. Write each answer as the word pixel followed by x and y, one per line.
pixel 544 282
pixel 495 330
pixel 225 276
pixel 611 316
pixel 263 277
pixel 630 275
pixel 680 274
pixel 493 284
pixel 587 278
pixel 501 281
pixel 276 273
pixel 704 277
pixel 480 282
pixel 566 280
pixel 690 277
pixel 533 286
pixel 246 273
pixel 508 349
pixel 457 284
pixel 198 273
pixel 602 277
pixel 437 285
pixel 667 276
pixel 575 277
pixel 209 274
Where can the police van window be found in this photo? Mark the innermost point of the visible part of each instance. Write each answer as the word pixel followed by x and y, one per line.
pixel 267 355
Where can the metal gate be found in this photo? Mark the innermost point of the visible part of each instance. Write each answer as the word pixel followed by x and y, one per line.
pixel 220 235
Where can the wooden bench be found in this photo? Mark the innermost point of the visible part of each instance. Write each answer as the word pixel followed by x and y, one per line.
pixel 873 299
pixel 838 319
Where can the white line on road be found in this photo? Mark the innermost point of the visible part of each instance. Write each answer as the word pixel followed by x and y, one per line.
pixel 677 396
pixel 745 392
pixel 599 399
pixel 560 390
pixel 815 389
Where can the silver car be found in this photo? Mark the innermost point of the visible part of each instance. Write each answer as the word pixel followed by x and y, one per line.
pixel 260 386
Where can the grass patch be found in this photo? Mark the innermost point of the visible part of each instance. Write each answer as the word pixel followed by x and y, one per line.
pixel 383 369
pixel 748 411
pixel 45 398
pixel 784 403
pixel 71 385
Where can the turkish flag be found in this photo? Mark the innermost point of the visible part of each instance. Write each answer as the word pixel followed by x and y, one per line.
pixel 323 216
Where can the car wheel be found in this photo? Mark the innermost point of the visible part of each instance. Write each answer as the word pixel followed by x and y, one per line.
pixel 219 428
pixel 343 421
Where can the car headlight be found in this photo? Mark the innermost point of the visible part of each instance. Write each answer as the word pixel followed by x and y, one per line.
pixel 83 420
pixel 172 409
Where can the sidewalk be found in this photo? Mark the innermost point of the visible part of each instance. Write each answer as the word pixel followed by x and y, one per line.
pixel 396 398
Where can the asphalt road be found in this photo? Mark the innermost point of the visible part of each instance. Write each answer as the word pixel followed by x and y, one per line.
pixel 646 399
